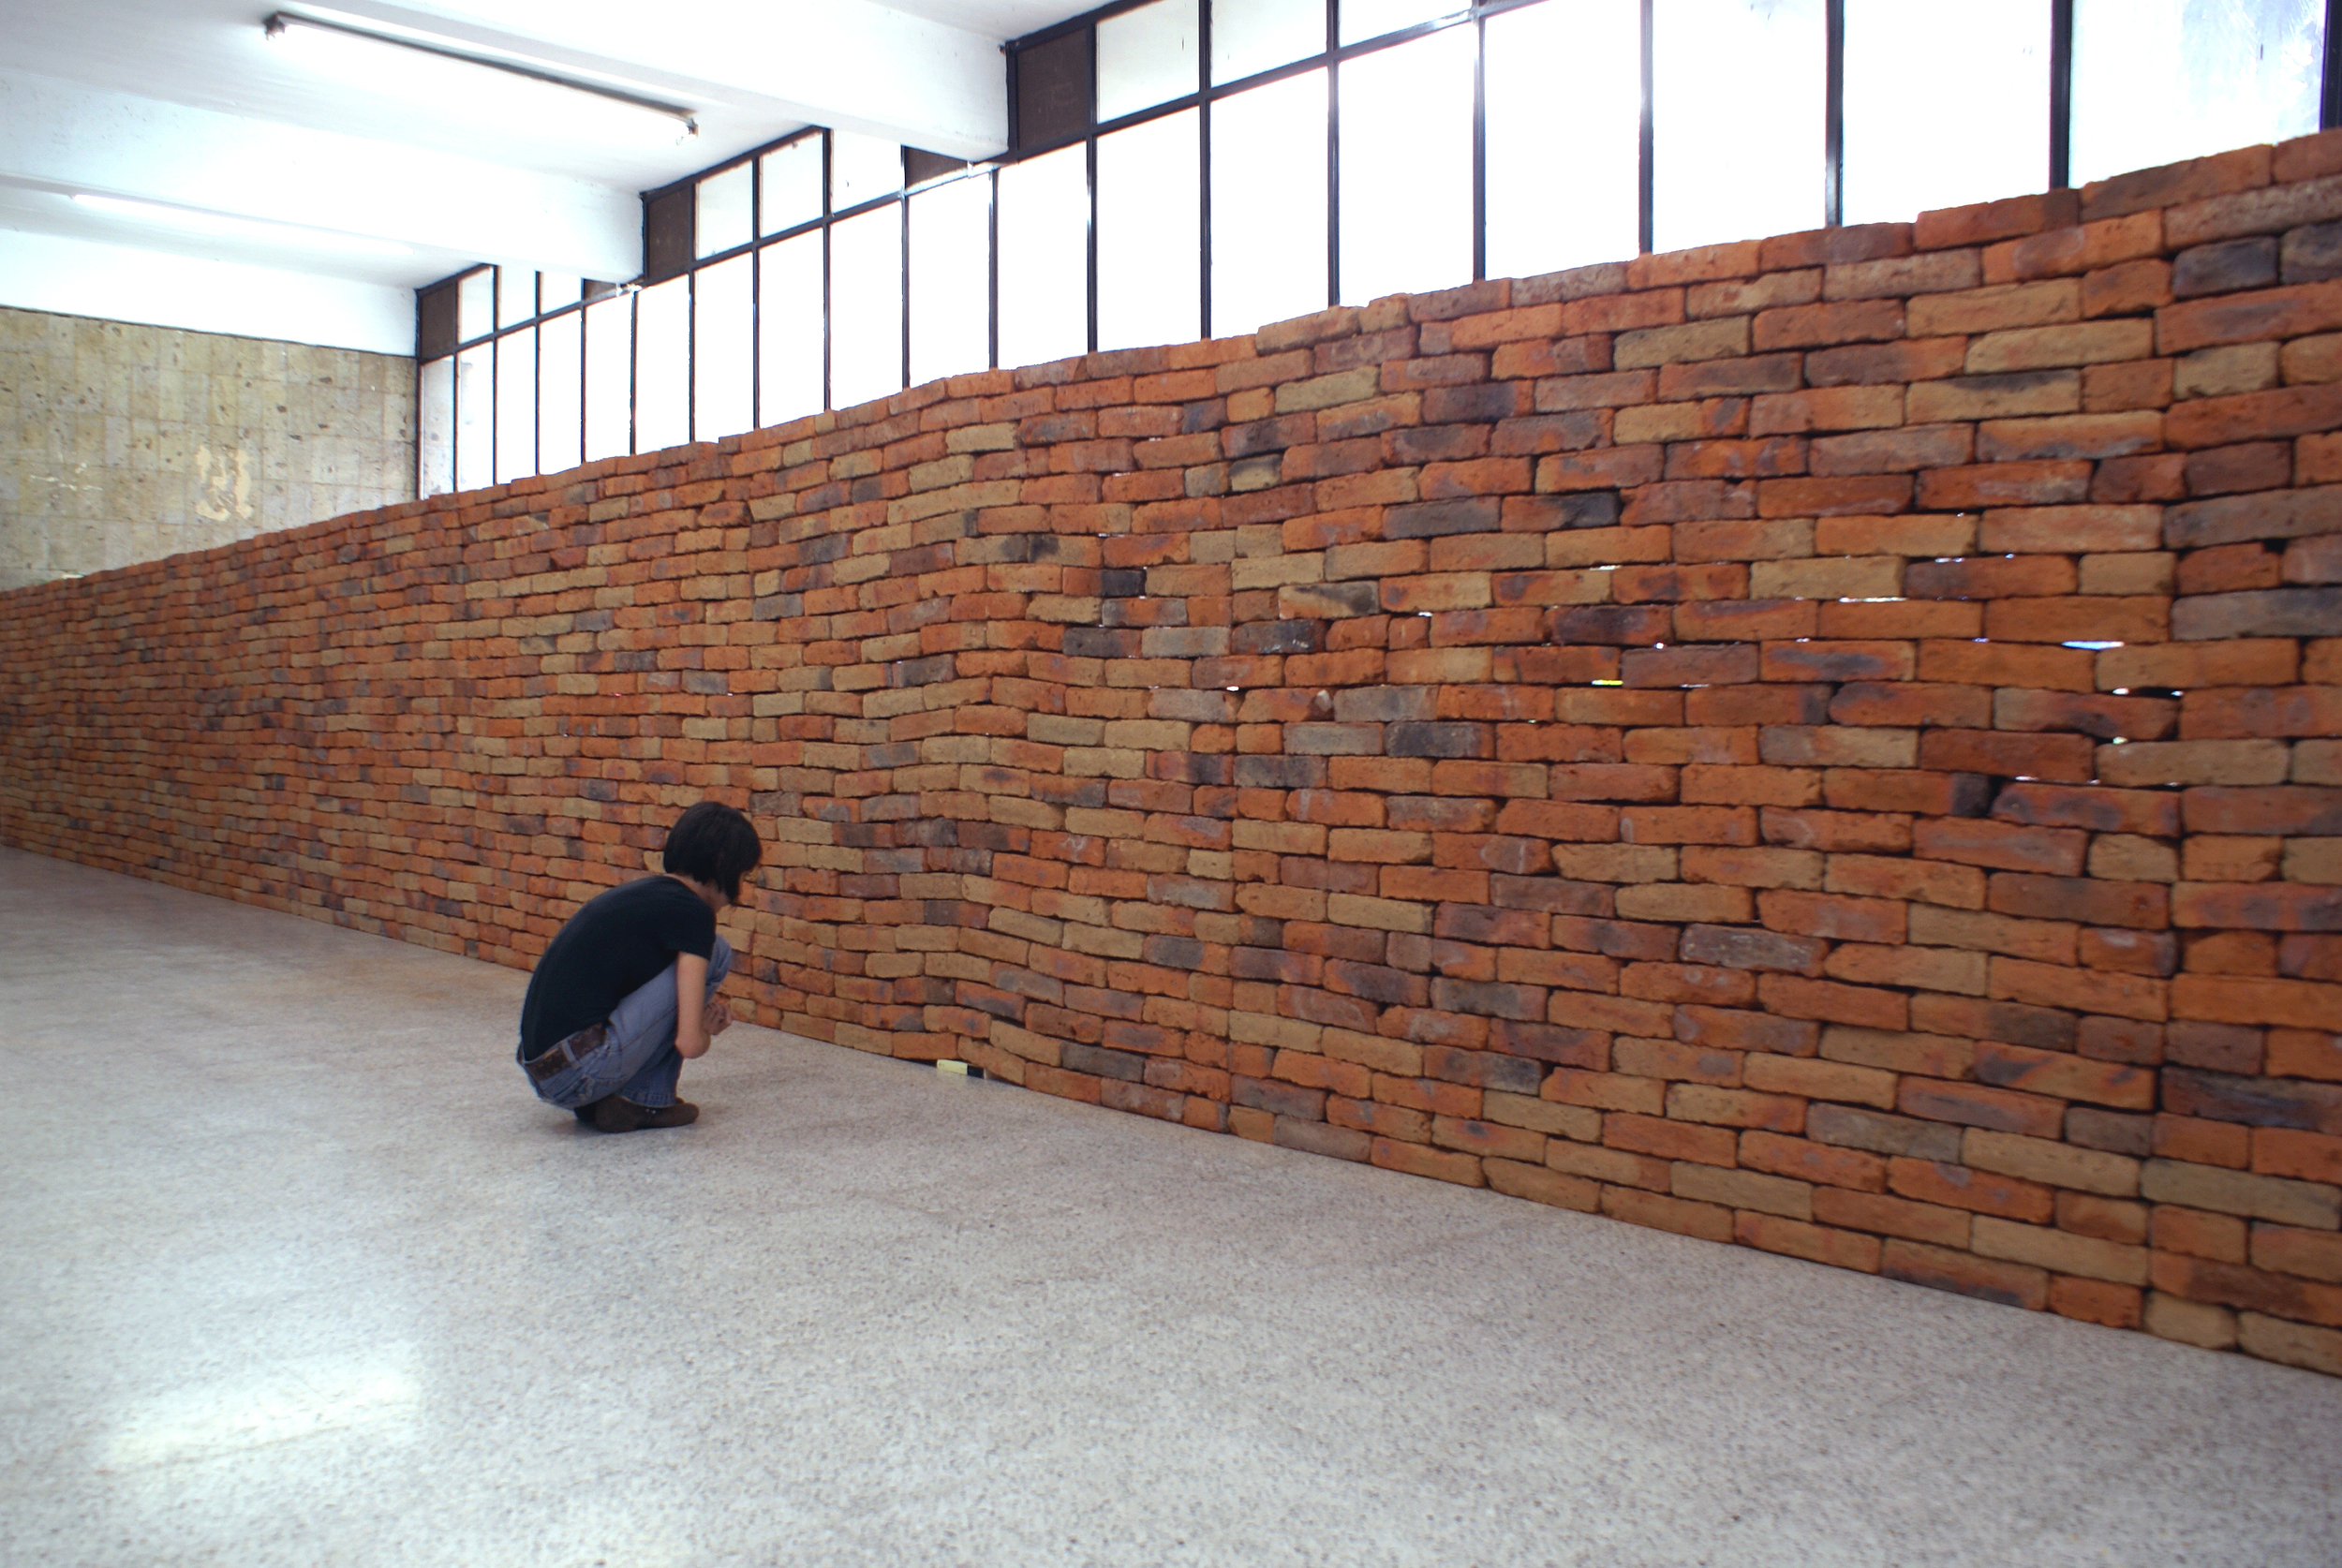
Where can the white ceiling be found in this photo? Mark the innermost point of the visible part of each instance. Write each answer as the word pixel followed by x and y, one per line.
pixel 186 103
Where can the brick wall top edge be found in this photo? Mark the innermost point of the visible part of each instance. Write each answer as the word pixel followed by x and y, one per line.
pixel 2307 158
pixel 2184 186
pixel 2172 184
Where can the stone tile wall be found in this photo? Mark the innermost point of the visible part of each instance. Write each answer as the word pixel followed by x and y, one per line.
pixel 1830 744
pixel 122 443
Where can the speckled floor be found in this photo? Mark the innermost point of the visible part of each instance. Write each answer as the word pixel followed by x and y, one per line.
pixel 296 1272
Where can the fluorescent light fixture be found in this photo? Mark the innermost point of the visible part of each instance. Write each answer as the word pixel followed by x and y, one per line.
pixel 451 82
pixel 200 222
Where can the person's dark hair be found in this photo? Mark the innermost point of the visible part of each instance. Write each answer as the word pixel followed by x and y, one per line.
pixel 714 844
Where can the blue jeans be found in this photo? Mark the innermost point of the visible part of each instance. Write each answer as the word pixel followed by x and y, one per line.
pixel 638 1058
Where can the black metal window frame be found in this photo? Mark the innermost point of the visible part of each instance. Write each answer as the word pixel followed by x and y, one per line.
pixel 452 345
pixel 924 172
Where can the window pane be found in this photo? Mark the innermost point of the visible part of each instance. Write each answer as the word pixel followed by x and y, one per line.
pixel 1547 214
pixel 555 290
pixel 436 430
pixel 610 377
pixel 1406 168
pixel 2159 80
pixel 1737 98
pixel 788 322
pixel 1045 258
pixel 517 296
pixel 1370 18
pixel 560 393
pixel 1149 234
pixel 951 277
pixel 1145 57
pixel 1251 36
pixel 865 306
pixel 1268 204
pixel 862 168
pixel 793 184
pixel 475 417
pixel 723 216
pixel 722 338
pixel 1899 162
pixel 476 305
pixel 662 392
pixel 516 404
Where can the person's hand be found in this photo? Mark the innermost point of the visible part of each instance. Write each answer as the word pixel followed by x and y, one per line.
pixel 716 1018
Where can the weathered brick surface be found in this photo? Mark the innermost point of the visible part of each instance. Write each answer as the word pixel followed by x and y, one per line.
pixel 1806 744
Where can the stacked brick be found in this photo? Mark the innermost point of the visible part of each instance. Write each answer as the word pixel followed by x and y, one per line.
pixel 1832 744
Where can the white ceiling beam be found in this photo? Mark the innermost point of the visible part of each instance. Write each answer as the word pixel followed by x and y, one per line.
pixel 70 276
pixel 62 136
pixel 851 63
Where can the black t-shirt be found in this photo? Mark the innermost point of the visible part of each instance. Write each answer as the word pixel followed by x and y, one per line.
pixel 609 950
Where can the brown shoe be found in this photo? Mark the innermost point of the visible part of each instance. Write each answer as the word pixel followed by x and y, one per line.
pixel 618 1114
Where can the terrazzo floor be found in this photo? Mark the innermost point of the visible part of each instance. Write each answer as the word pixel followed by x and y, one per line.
pixel 297 1272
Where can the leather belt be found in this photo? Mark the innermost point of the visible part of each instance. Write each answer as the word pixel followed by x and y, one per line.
pixel 565 1054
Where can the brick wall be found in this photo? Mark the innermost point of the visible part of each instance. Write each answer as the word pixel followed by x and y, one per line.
pixel 1829 744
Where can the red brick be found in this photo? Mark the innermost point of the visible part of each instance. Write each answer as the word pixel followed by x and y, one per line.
pixel 1668 1140
pixel 2304 1155
pixel 1915 1222
pixel 2054 852
pixel 2260 415
pixel 1815 1243
pixel 2097 1301
pixel 2072 251
pixel 2167 186
pixel 1804 1160
pixel 1417 1160
pixel 1952 1186
pixel 2012 217
pixel 2011 1284
pixel 1540 1184
pixel 1707 1221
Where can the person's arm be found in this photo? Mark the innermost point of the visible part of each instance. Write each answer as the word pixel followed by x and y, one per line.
pixel 691 1038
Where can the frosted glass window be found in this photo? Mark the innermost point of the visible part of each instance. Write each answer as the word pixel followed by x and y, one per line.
pixel 436 430
pixel 476 305
pixel 1545 213
pixel 862 168
pixel 662 385
pixel 1899 160
pixel 555 290
pixel 475 417
pixel 610 377
pixel 517 296
pixel 2159 80
pixel 560 393
pixel 865 306
pixel 1249 37
pixel 723 337
pixel 722 205
pixel 1145 57
pixel 1737 97
pixel 1044 258
pixel 1149 234
pixel 788 328
pixel 516 404
pixel 1406 166
pixel 1268 204
pixel 1362 19
pixel 951 279
pixel 792 185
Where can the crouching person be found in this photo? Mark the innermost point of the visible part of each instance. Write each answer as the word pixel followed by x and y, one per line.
pixel 627 992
